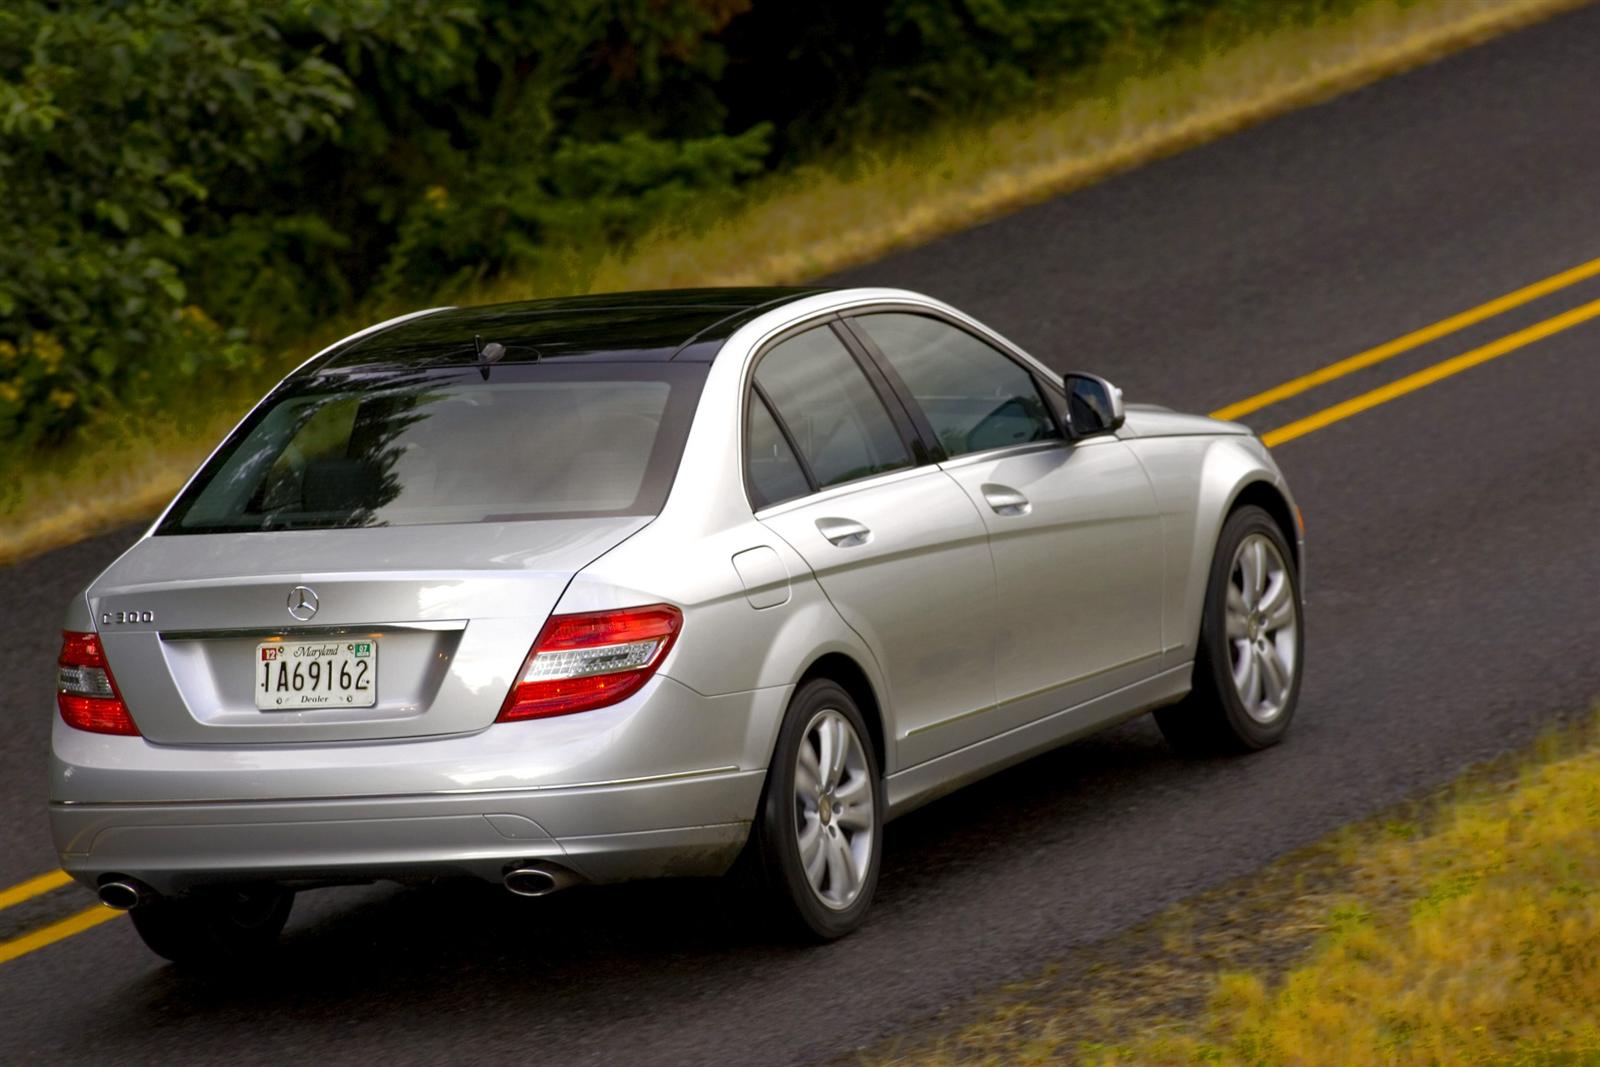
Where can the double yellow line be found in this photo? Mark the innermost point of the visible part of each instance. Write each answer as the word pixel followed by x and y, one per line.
pixel 91 917
pixel 1416 339
pixel 56 931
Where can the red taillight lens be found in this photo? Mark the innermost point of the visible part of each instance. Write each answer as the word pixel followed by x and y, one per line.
pixel 85 691
pixel 582 662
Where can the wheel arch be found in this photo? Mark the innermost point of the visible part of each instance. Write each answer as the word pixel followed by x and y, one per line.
pixel 842 669
pixel 1223 475
pixel 1267 496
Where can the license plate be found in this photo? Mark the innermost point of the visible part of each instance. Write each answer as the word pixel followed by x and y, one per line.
pixel 293 675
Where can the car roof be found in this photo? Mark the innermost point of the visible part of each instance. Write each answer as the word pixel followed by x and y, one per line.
pixel 688 325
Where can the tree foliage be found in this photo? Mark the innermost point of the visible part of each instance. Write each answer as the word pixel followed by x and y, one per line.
pixel 185 183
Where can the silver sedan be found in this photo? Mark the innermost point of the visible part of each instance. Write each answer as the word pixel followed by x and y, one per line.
pixel 626 586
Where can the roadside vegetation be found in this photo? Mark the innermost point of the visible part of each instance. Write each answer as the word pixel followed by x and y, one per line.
pixel 199 195
pixel 1464 931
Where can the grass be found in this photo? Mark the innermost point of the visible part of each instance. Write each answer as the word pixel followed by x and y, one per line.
pixel 1463 931
pixel 834 214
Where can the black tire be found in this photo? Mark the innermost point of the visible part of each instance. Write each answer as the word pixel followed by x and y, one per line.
pixel 214 928
pixel 775 847
pixel 1213 718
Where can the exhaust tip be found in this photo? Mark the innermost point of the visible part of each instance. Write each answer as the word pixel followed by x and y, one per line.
pixel 538 880
pixel 122 895
pixel 530 882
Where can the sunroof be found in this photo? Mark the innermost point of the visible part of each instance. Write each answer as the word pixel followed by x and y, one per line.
pixel 610 327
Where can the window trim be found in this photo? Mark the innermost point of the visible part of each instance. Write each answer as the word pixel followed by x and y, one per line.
pixel 844 489
pixel 919 416
pixel 899 418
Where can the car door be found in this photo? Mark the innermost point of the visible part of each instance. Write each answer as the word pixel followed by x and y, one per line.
pixel 1074 527
pixel 834 468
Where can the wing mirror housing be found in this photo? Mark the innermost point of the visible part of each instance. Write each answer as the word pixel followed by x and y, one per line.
pixel 1094 405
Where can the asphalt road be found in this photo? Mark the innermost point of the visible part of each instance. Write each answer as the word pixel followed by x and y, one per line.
pixel 1453 615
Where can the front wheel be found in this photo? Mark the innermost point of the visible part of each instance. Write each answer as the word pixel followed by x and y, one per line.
pixel 216 927
pixel 818 835
pixel 1248 666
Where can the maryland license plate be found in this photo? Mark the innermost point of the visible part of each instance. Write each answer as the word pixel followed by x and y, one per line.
pixel 292 675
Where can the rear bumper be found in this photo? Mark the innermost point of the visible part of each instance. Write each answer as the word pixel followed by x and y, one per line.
pixel 685 826
pixel 664 783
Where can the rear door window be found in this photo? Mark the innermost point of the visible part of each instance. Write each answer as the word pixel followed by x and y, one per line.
pixel 975 397
pixel 835 416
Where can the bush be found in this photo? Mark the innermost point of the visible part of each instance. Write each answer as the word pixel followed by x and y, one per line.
pixel 187 184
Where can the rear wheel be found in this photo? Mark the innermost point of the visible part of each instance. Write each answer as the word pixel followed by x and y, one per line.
pixel 818 836
pixel 1248 666
pixel 216 927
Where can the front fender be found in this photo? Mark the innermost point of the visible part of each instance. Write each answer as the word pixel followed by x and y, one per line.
pixel 1197 481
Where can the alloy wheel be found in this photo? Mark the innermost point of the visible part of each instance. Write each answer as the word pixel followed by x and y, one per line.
pixel 1262 616
pixel 834 811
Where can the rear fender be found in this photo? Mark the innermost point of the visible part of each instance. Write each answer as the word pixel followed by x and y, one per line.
pixel 727 645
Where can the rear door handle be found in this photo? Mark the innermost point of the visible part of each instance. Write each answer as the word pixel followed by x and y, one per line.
pixel 1004 500
pixel 846 533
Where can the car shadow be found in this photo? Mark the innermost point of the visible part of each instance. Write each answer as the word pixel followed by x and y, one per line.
pixel 388 955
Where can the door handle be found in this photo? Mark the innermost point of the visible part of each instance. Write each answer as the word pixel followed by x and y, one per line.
pixel 1004 500
pixel 846 533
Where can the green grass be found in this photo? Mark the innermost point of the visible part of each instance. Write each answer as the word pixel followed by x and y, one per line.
pixel 824 217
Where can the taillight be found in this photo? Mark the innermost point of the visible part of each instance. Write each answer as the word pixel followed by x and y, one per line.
pixel 587 661
pixel 85 691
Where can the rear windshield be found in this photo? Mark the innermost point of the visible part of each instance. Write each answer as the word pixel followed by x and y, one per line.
pixel 530 442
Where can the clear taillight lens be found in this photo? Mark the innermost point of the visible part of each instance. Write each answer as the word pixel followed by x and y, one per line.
pixel 85 691
pixel 587 661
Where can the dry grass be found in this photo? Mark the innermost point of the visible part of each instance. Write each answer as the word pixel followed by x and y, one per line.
pixel 1467 934
pixel 826 217
pixel 1493 955
pixel 1493 959
pixel 854 210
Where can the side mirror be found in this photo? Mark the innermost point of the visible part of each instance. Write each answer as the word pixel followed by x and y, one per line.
pixel 1094 405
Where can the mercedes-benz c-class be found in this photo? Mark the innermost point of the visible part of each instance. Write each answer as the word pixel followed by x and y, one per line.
pixel 614 587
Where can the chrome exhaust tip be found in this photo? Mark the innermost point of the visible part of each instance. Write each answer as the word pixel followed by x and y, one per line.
pixel 123 894
pixel 538 881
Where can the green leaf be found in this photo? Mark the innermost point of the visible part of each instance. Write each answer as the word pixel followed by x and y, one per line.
pixel 113 213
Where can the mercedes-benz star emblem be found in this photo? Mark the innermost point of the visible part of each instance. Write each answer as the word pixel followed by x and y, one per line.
pixel 302 602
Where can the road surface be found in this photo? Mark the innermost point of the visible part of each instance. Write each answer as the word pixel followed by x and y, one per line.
pixel 1453 580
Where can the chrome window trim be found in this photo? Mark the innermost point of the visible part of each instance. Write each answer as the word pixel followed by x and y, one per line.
pixel 989 455
pixel 845 489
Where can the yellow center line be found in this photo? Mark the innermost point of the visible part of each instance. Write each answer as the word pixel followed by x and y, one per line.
pixel 1428 375
pixel 56 931
pixel 32 888
pixel 1415 339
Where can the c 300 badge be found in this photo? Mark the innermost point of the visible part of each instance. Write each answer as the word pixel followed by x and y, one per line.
pixel 124 618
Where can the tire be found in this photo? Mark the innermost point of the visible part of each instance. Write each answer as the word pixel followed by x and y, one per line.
pixel 837 825
pixel 1251 653
pixel 215 928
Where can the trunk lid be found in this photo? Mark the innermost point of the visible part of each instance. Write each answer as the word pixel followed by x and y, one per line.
pixel 450 610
